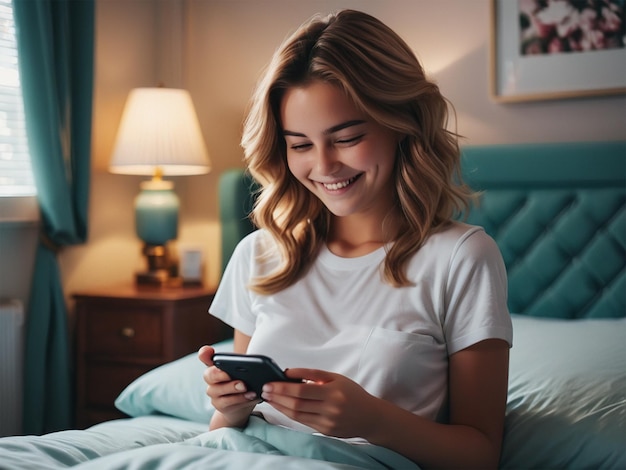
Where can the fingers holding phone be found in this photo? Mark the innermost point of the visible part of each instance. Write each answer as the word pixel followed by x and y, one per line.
pixel 228 395
pixel 253 370
pixel 330 403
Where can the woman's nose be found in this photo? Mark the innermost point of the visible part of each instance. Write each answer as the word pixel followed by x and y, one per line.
pixel 327 162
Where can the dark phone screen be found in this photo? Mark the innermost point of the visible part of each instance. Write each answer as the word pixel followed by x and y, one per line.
pixel 253 370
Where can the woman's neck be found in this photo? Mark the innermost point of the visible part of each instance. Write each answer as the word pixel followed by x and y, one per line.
pixel 354 236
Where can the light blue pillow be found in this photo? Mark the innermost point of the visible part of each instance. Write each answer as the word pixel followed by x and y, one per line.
pixel 175 389
pixel 567 395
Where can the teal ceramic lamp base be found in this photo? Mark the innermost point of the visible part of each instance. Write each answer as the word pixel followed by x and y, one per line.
pixel 156 223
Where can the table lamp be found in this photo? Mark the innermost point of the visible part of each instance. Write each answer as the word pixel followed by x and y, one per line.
pixel 159 135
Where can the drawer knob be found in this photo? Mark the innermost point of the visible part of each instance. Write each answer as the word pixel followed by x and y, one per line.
pixel 127 332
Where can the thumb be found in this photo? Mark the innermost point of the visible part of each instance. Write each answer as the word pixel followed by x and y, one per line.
pixel 312 375
pixel 205 354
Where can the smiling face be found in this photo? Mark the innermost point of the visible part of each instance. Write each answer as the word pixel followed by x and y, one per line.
pixel 335 151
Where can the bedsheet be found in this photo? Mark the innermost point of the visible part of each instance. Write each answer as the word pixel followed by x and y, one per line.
pixel 68 448
pixel 163 443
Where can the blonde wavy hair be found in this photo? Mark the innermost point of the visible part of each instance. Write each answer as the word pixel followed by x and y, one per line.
pixel 382 76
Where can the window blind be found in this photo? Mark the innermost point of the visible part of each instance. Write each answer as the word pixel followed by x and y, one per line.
pixel 16 178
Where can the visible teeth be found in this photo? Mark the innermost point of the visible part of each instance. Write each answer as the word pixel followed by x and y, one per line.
pixel 336 186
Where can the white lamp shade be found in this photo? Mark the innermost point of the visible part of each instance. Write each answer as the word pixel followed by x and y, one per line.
pixel 159 130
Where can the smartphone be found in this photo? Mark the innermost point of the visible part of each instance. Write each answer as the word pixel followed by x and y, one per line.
pixel 254 370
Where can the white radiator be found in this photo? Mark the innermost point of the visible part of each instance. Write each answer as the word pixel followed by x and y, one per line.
pixel 11 366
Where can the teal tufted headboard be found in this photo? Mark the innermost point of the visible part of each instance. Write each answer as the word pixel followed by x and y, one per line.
pixel 236 198
pixel 557 212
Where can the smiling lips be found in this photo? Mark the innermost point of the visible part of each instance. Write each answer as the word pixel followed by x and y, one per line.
pixel 340 185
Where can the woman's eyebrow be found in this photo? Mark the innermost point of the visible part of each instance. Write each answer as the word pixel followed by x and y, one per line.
pixel 330 130
pixel 343 125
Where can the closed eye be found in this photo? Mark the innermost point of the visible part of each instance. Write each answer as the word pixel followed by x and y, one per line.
pixel 300 147
pixel 350 140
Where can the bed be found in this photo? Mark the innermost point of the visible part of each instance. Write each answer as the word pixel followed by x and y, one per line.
pixel 558 213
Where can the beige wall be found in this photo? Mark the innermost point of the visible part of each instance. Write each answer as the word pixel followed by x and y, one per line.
pixel 224 45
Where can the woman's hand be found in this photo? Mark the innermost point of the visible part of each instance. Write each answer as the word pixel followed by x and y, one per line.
pixel 329 403
pixel 229 397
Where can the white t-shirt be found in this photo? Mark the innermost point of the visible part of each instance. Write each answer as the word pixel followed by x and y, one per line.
pixel 342 317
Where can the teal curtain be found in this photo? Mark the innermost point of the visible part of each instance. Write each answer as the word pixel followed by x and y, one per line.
pixel 55 40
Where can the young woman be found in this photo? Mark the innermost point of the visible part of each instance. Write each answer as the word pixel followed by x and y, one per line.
pixel 360 281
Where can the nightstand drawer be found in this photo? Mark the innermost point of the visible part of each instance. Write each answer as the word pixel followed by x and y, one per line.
pixel 104 382
pixel 124 332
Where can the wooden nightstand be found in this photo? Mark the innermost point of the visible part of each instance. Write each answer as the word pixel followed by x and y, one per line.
pixel 124 332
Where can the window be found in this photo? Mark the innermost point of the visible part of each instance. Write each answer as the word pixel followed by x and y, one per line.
pixel 16 178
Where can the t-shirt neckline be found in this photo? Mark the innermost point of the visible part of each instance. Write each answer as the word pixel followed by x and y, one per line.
pixel 328 258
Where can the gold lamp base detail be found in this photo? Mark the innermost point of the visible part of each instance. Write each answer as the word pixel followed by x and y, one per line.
pixel 162 270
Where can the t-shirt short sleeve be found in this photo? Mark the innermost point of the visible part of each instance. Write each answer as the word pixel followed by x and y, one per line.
pixel 233 301
pixel 476 293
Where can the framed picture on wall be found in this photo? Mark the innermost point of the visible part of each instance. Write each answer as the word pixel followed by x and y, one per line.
pixel 553 49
